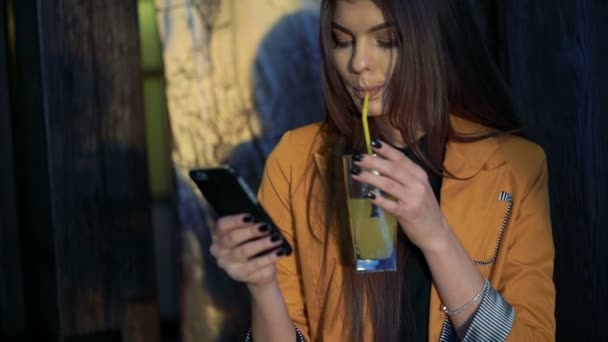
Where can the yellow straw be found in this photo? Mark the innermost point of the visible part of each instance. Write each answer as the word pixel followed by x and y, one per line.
pixel 368 142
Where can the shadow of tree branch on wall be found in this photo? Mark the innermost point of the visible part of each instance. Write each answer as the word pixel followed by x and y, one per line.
pixel 287 93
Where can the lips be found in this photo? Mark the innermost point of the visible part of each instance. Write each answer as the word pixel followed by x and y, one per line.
pixel 373 91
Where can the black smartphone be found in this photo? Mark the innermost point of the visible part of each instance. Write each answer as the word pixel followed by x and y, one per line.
pixel 228 194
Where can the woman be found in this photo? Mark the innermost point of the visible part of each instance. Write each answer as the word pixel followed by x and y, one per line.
pixel 471 199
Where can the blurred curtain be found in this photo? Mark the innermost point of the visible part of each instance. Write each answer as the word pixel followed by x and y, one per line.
pixel 553 55
pixel 557 53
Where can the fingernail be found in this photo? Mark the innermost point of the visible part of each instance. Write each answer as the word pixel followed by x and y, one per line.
pixel 275 237
pixel 248 219
pixel 376 143
pixel 370 196
pixel 263 228
pixel 357 157
pixel 355 171
pixel 281 252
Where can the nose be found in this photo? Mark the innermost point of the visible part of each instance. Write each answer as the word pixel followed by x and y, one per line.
pixel 361 60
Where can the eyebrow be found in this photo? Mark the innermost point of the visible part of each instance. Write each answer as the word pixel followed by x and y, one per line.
pixel 370 30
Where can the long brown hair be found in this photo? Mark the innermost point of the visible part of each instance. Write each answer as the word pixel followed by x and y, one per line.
pixel 442 68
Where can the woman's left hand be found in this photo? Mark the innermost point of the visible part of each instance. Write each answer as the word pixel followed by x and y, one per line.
pixel 412 199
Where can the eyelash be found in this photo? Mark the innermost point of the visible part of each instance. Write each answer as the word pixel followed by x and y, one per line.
pixel 387 44
pixel 338 43
pixel 341 44
pixel 382 44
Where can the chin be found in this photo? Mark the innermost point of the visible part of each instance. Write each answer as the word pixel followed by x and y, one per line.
pixel 375 109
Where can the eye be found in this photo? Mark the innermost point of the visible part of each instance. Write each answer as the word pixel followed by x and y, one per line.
pixel 341 40
pixel 387 40
pixel 387 44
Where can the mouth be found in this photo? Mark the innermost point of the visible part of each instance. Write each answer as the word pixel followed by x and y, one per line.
pixel 374 91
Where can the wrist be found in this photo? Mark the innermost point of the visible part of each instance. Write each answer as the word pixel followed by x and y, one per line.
pixel 263 289
pixel 440 241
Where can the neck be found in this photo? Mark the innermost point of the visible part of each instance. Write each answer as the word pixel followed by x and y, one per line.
pixel 390 133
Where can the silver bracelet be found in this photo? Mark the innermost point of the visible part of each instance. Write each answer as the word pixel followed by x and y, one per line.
pixel 299 335
pixel 469 303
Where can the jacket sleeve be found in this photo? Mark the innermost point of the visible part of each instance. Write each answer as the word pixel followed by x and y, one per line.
pixel 274 195
pixel 522 307
pixel 528 273
pixel 493 320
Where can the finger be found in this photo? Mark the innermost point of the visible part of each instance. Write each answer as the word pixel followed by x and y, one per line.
pixel 250 249
pixel 241 235
pixel 385 204
pixel 387 185
pixel 261 262
pixel 388 152
pixel 392 169
pixel 226 224
pixel 213 250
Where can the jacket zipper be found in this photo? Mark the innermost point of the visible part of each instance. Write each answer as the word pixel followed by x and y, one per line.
pixel 504 196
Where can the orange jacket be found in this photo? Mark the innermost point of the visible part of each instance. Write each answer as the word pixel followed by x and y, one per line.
pixel 509 240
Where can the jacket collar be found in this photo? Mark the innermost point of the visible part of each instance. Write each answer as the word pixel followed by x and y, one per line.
pixel 466 159
pixel 463 159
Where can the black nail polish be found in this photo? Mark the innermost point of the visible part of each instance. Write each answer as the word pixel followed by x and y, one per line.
pixel 376 143
pixel 370 196
pixel 357 157
pixel 355 171
pixel 263 228
pixel 248 219
pixel 275 237
pixel 281 252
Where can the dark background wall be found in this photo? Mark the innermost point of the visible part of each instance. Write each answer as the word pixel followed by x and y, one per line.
pixel 76 239
pixel 12 319
pixel 80 263
pixel 557 53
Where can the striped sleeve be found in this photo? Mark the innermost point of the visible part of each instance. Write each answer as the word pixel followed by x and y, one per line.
pixel 493 320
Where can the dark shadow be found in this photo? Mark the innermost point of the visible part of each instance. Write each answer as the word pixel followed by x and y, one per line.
pixel 287 94
pixel 83 195
pixel 286 89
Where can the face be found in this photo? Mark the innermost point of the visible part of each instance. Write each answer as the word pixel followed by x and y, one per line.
pixel 365 51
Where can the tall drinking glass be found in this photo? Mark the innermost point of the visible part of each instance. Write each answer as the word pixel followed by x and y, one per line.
pixel 373 231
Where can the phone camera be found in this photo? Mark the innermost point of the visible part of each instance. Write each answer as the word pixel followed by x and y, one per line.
pixel 200 176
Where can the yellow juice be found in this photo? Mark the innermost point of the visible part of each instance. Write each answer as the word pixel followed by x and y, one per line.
pixel 374 231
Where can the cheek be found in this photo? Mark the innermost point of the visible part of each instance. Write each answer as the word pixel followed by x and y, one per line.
pixel 341 60
pixel 388 64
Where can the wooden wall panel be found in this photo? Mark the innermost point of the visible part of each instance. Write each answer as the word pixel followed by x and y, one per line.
pixel 97 164
pixel 83 184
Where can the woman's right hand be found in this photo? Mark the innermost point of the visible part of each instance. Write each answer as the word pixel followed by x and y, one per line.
pixel 236 240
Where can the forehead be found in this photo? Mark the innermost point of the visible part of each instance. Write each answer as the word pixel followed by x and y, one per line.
pixel 357 15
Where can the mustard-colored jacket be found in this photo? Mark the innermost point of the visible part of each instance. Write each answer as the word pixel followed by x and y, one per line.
pixel 500 213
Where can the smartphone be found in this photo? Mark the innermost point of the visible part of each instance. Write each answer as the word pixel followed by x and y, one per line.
pixel 228 194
